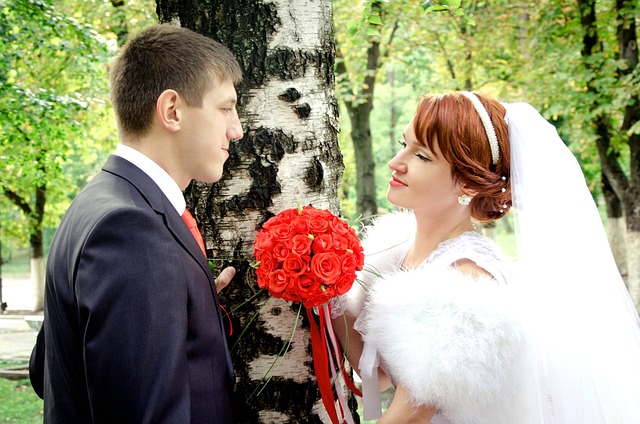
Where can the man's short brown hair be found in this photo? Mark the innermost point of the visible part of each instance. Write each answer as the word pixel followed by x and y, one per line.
pixel 166 57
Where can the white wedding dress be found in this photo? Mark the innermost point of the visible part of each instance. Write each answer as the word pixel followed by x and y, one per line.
pixel 452 340
pixel 559 343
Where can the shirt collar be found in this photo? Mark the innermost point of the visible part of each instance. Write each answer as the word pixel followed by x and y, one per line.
pixel 163 180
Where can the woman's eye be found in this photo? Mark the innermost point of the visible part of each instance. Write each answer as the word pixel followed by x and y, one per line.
pixel 402 143
pixel 422 157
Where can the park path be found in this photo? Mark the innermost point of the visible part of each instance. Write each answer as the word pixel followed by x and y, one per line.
pixel 16 336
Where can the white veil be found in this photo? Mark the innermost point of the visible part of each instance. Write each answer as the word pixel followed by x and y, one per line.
pixel 586 331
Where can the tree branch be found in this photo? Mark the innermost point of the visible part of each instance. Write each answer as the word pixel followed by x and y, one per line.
pixel 18 201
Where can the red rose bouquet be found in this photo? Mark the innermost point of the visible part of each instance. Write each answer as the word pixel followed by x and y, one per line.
pixel 307 255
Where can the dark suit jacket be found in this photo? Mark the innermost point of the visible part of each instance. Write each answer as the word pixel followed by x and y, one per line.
pixel 132 329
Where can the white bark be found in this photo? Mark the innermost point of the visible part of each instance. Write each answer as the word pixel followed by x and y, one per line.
pixel 305 24
pixel 37 284
pixel 633 266
pixel 279 319
pixel 617 234
pixel 280 324
pixel 305 28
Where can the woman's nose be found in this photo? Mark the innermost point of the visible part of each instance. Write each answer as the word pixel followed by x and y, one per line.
pixel 397 163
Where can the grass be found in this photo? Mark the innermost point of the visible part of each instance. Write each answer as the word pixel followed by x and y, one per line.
pixel 18 401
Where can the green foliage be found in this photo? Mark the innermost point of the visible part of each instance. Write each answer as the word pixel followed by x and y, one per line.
pixel 51 72
pixel 18 401
pixel 514 50
pixel 56 127
pixel 555 77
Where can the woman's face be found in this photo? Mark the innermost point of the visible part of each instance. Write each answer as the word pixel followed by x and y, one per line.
pixel 421 179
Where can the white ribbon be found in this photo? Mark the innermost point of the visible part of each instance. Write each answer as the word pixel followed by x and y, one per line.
pixel 335 365
pixel 371 403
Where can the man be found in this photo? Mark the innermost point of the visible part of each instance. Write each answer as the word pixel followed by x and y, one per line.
pixel 132 324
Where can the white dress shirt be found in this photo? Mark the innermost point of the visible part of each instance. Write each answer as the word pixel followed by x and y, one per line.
pixel 167 184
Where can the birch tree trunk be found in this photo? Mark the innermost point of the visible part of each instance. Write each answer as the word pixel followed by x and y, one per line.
pixel 289 156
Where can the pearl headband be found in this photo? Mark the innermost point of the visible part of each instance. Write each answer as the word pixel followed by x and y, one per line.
pixel 486 122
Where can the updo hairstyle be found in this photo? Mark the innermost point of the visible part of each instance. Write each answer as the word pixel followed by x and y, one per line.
pixel 452 120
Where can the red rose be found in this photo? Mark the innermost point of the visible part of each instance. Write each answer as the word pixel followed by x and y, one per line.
pixel 307 285
pixel 326 266
pixel 310 211
pixel 300 224
pixel 263 241
pixel 267 262
pixel 280 251
pixel 282 232
pixel 344 283
pixel 317 224
pixel 349 264
pixel 294 265
pixel 339 242
pixel 317 299
pixel 284 216
pixel 339 227
pixel 358 254
pixel 278 281
pixel 301 244
pixel 263 278
pixel 291 295
pixel 322 243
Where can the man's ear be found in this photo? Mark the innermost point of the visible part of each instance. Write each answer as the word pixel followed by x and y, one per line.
pixel 168 111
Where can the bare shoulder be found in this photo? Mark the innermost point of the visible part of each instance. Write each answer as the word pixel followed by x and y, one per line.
pixel 469 267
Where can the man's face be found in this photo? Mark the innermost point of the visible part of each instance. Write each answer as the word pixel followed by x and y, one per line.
pixel 207 131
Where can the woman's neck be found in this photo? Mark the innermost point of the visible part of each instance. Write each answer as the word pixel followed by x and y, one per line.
pixel 429 234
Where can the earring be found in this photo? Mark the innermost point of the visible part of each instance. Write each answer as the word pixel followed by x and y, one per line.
pixel 464 199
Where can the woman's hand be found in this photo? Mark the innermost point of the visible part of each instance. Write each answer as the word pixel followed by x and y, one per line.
pixel 224 278
pixel 403 411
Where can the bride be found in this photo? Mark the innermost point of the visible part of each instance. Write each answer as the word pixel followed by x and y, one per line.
pixel 465 334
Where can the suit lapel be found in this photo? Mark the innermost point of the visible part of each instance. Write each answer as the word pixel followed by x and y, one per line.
pixel 161 205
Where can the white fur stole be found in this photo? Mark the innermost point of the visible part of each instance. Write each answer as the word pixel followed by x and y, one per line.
pixel 451 340
pixel 384 242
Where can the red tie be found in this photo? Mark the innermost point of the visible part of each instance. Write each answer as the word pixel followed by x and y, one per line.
pixel 192 225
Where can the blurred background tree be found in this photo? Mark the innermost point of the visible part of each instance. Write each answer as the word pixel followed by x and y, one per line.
pixel 56 127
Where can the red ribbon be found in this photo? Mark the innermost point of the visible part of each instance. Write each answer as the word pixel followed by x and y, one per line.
pixel 321 366
pixel 347 379
pixel 321 349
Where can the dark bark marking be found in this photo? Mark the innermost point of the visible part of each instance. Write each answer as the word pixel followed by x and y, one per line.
pixel 221 21
pixel 303 111
pixel 290 95
pixel 288 64
pixel 314 175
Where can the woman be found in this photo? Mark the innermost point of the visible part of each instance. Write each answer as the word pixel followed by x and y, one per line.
pixel 465 335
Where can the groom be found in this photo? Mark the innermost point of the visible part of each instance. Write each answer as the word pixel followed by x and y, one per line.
pixel 132 329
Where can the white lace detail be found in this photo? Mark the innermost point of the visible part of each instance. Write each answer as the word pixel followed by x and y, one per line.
pixel 475 247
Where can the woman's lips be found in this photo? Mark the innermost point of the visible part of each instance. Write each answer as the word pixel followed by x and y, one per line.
pixel 394 182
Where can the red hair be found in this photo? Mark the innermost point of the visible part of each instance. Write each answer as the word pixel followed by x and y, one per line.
pixel 450 121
